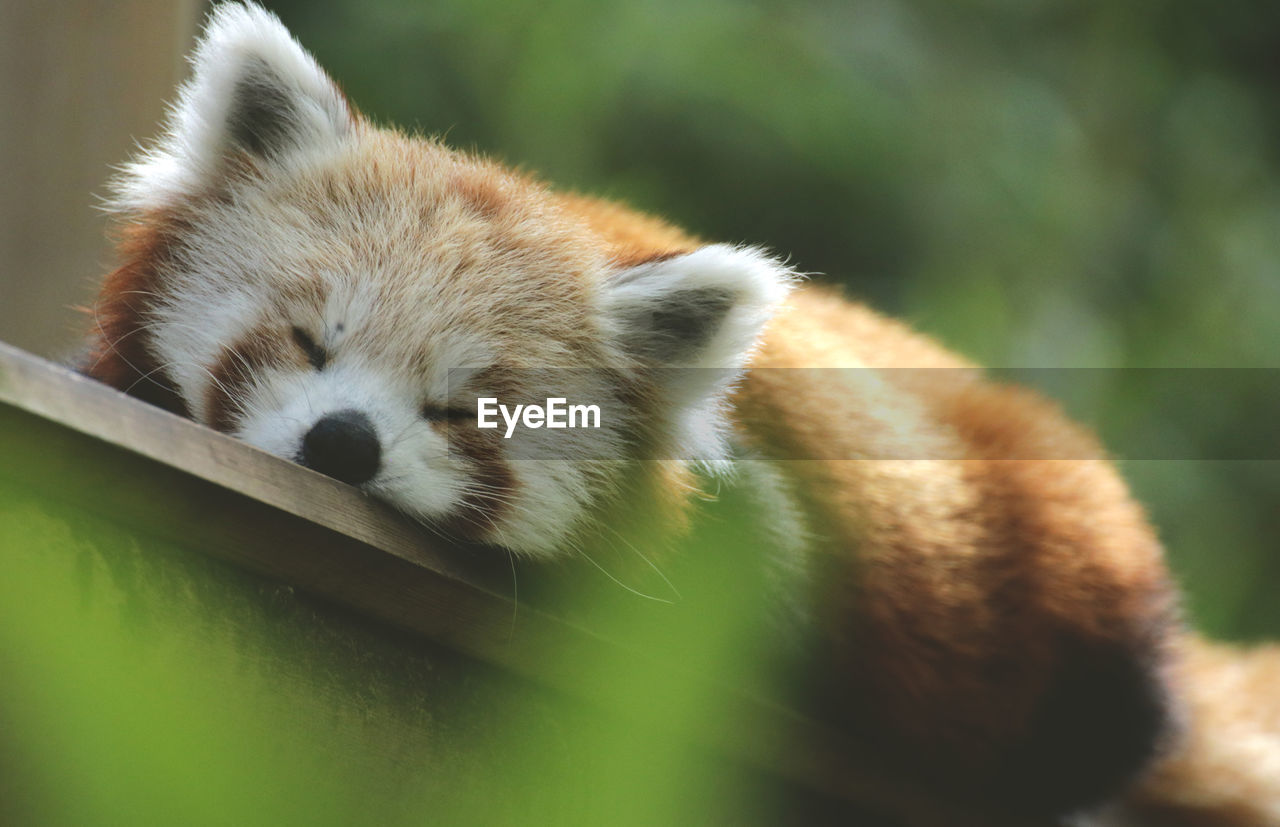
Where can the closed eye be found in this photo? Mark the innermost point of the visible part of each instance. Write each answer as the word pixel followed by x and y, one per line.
pixel 443 413
pixel 316 355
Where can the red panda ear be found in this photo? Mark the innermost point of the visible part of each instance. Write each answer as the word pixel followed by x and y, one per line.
pixel 699 316
pixel 253 91
pixel 704 309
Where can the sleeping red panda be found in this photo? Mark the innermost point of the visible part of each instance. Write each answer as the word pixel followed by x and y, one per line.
pixel 985 596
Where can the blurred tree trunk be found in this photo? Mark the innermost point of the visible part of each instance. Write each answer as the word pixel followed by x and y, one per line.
pixel 80 82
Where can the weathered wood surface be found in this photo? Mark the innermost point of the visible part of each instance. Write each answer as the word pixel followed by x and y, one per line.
pixel 104 499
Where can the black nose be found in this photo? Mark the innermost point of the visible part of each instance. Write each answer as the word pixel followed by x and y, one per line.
pixel 343 445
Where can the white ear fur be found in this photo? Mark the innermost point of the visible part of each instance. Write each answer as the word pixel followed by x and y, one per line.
pixel 253 88
pixel 697 317
pixel 703 309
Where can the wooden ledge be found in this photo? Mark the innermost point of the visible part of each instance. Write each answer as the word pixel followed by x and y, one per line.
pixel 276 519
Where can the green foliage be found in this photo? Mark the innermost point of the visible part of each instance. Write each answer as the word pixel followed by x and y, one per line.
pixel 144 683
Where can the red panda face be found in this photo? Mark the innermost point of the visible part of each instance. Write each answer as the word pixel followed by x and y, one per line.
pixel 342 296
pixel 321 315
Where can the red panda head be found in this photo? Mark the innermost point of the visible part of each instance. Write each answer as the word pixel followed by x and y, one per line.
pixel 340 295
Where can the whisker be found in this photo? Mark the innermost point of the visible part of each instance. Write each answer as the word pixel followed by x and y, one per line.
pixel 646 560
pixel 636 592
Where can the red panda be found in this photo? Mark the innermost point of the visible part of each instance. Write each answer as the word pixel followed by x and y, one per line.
pixel 985 596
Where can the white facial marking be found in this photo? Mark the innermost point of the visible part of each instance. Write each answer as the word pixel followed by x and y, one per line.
pixel 285 404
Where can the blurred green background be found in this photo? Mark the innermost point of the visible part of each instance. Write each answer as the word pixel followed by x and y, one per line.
pixel 1043 183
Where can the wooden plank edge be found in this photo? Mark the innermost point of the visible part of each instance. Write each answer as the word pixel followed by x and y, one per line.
pixel 397 557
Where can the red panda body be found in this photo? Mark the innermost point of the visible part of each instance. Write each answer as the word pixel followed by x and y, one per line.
pixel 994 613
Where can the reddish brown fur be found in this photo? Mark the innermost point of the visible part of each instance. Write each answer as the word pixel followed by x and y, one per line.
pixel 237 368
pixel 960 584
pixel 493 483
pixel 966 582
pixel 118 354
pixel 983 603
pixel 484 194
pixel 969 574
pixel 632 237
pixel 1226 771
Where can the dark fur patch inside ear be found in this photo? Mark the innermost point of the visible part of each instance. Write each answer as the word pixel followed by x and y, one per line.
pixel 263 118
pixel 680 324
